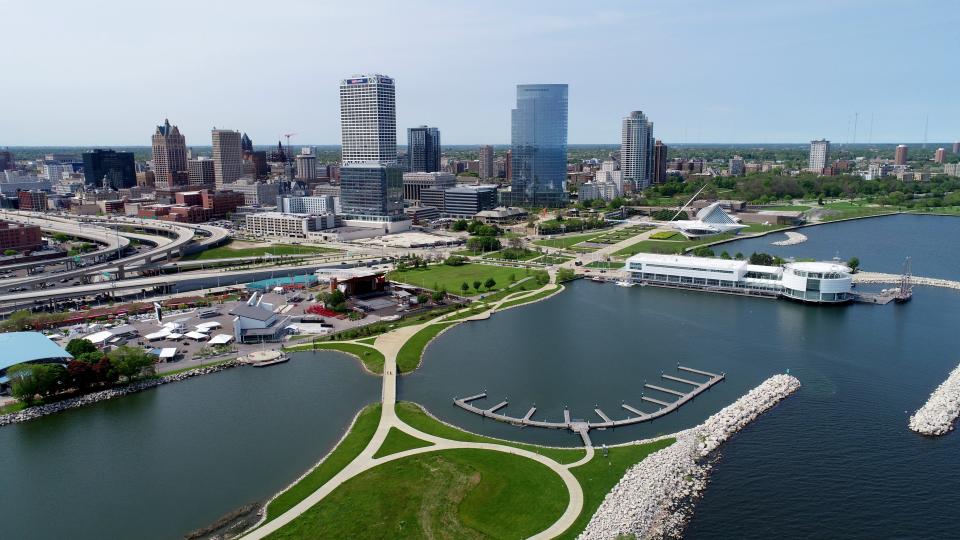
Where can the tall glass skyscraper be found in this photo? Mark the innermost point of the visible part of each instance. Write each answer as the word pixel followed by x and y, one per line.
pixel 423 149
pixel 371 192
pixel 539 145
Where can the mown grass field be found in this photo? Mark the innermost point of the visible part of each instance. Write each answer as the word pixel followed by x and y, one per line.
pixel 462 494
pixel 227 252
pixel 566 241
pixel 372 359
pixel 442 276
pixel 408 358
pixel 398 441
pixel 351 445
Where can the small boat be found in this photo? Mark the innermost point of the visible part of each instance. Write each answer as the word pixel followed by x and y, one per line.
pixel 597 279
pixel 625 283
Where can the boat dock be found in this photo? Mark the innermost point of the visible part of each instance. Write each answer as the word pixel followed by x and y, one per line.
pixel 663 394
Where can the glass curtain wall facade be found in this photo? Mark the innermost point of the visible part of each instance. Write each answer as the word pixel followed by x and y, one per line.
pixel 117 167
pixel 423 149
pixel 371 192
pixel 539 145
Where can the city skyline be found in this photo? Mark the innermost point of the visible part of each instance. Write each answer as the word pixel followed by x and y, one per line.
pixel 756 104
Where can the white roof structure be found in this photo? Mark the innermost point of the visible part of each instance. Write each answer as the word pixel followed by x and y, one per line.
pixel 711 220
pixel 221 339
pixel 173 336
pixel 100 337
pixel 167 353
pixel 157 335
pixel 207 326
pixel 196 335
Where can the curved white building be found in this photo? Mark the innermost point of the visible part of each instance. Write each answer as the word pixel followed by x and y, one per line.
pixel 819 282
pixel 710 220
pixel 814 282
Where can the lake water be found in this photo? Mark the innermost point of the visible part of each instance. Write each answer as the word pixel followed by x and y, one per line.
pixel 834 461
pixel 160 463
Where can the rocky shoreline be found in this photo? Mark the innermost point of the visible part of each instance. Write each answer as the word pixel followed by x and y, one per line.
pixel 86 399
pixel 938 414
pixel 655 498
pixel 793 238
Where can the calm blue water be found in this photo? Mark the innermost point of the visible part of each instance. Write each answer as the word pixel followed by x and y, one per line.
pixel 160 463
pixel 881 244
pixel 834 461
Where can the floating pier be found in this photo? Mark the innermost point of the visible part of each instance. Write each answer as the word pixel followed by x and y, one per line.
pixel 581 427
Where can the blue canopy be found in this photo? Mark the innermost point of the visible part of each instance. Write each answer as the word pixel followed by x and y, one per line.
pixel 19 347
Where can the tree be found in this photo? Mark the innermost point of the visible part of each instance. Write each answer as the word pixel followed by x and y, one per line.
pixel 455 260
pixel 725 256
pixel 60 237
pixel 78 346
pixel 476 285
pixel 438 295
pixel 336 300
pixel 703 251
pixel 513 277
pixel 738 256
pixel 29 380
pixel 460 225
pixel 762 259
pixel 489 283
pixel 9 252
pixel 565 274
pixel 422 298
pixel 129 362
pixel 464 287
pixel 854 264
pixel 81 374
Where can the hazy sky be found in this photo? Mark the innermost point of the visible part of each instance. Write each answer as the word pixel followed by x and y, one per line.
pixel 106 72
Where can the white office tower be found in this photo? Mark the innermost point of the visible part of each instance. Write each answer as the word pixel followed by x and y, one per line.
pixel 306 164
pixel 819 154
pixel 227 156
pixel 636 150
pixel 368 120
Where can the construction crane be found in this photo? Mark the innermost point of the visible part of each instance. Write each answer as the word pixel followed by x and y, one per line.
pixel 289 168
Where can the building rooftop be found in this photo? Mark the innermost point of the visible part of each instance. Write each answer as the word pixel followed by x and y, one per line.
pixel 20 347
pixel 700 262
pixel 256 313
pixel 819 266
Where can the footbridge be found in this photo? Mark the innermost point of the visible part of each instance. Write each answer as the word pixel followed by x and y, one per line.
pixel 666 399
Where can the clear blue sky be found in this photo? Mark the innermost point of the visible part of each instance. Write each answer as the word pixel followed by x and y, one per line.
pixel 105 72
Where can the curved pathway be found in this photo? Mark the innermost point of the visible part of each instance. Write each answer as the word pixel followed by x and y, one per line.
pixel 390 344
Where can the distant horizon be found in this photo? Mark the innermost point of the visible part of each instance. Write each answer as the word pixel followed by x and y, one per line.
pixel 934 145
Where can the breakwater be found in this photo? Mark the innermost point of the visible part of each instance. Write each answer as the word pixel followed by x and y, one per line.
pixel 655 498
pixel 793 238
pixel 877 277
pixel 938 414
pixel 103 395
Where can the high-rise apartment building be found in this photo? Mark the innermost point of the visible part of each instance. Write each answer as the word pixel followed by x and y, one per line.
pixel 118 168
pixel 956 148
pixel 737 167
pixel 368 119
pixel 659 175
pixel 169 155
pixel 940 155
pixel 486 162
pixel 539 145
pixel 201 172
pixel 423 149
pixel 508 165
pixel 6 160
pixel 900 157
pixel 306 164
pixel 227 156
pixel 819 155
pixel 636 150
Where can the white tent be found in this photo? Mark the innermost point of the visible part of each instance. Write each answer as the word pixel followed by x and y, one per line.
pixel 157 335
pixel 208 326
pixel 173 336
pixel 221 339
pixel 167 353
pixel 100 337
pixel 196 336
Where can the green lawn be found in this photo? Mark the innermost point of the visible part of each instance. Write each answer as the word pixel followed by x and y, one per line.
pixel 528 299
pixel 856 211
pixel 451 277
pixel 462 494
pixel 398 441
pixel 552 259
pixel 349 448
pixel 606 265
pixel 372 359
pixel 16 406
pixel 524 256
pixel 367 341
pixel 675 247
pixel 667 235
pixel 413 415
pixel 786 208
pixel 565 242
pixel 227 252
pixel 408 358
pixel 600 474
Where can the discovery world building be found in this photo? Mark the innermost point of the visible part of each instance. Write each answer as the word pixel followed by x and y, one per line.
pixel 812 282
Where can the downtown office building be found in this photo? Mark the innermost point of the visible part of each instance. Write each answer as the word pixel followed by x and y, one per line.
pixel 368 119
pixel 539 146
pixel 423 149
